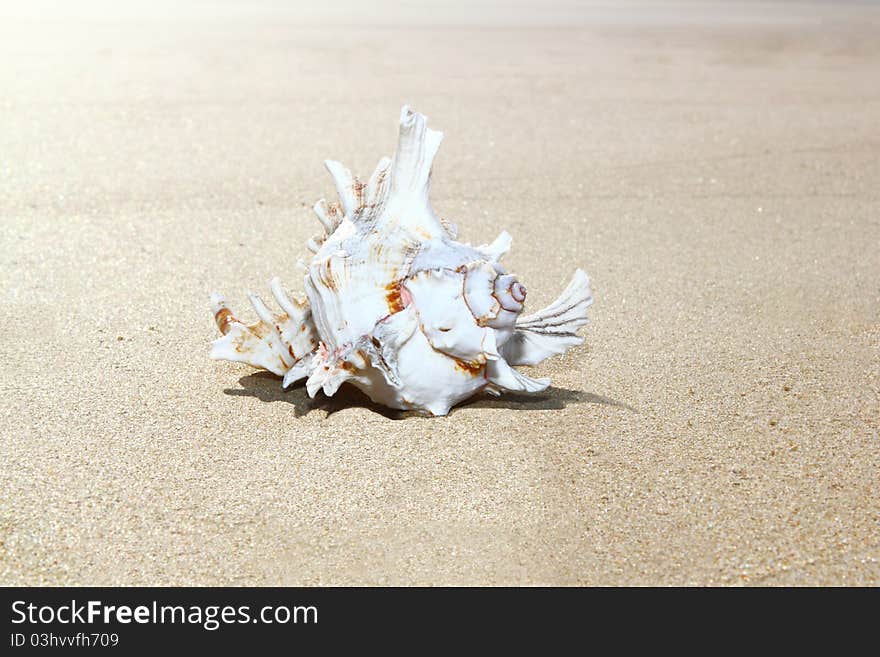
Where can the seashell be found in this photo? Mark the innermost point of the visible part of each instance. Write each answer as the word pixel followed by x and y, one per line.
pixel 396 306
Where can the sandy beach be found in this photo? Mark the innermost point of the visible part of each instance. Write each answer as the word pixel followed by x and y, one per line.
pixel 714 168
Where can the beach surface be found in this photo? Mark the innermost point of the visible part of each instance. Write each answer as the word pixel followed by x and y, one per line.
pixel 715 168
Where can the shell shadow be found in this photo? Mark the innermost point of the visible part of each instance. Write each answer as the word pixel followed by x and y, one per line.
pixel 551 399
pixel 267 388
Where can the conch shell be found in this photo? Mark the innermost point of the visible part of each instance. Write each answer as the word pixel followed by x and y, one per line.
pixel 396 306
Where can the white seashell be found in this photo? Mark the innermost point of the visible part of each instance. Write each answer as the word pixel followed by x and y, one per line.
pixel 396 306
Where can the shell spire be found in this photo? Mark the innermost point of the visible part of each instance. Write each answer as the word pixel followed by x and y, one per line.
pixel 396 306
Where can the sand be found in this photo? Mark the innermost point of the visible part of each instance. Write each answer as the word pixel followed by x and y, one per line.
pixel 715 169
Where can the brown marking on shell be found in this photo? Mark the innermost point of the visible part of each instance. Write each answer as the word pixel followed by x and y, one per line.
pixel 448 227
pixel 473 368
pixel 357 188
pixel 348 367
pixel 364 358
pixel 393 297
pixel 259 329
pixel 224 318
pixel 290 350
pixel 380 181
pixel 326 273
